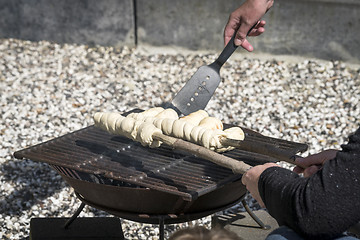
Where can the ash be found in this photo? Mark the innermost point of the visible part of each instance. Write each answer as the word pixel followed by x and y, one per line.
pixel 48 90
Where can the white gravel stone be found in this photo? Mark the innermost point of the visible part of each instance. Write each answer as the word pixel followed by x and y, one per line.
pixel 48 90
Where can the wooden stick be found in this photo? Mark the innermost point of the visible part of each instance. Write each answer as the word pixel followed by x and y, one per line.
pixel 199 151
pixel 262 148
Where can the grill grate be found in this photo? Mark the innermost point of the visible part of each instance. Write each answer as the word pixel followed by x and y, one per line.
pixel 93 151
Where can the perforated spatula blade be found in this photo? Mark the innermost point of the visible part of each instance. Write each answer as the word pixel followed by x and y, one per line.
pixel 198 91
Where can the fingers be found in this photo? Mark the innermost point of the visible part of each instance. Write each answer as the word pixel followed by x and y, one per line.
pixel 298 170
pixel 228 33
pixel 308 166
pixel 308 172
pixel 301 164
pixel 311 170
pixel 247 46
pixel 309 160
pixel 312 163
pixel 231 27
pixel 257 32
pixel 244 31
pixel 316 159
pixel 258 29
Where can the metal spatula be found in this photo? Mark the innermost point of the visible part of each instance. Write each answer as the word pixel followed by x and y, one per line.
pixel 199 89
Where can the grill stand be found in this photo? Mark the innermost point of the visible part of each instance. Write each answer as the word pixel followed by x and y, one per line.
pixel 253 216
pixel 75 215
pixel 162 218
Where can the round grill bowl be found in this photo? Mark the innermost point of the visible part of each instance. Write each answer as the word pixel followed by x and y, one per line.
pixel 148 201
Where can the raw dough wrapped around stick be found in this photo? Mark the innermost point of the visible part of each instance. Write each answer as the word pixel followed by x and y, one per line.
pixel 195 117
pixel 198 128
pixel 136 130
pixel 157 112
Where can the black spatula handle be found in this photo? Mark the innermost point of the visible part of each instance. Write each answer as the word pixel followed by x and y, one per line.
pixel 229 49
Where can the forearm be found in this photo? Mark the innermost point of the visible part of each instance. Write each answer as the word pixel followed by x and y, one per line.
pixel 267 4
pixel 255 8
pixel 323 205
pixel 262 5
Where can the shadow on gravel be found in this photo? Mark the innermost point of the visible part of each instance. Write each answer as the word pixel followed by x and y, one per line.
pixel 27 184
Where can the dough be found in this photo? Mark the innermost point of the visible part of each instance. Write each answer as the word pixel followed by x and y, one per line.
pixel 178 128
pixel 207 133
pixel 152 112
pixel 107 121
pixel 211 123
pixel 157 122
pixel 126 127
pixel 129 127
pixel 187 131
pixel 97 119
pixel 196 133
pixel 157 112
pixel 235 133
pixel 134 131
pixel 206 138
pixel 145 133
pixel 167 126
pixel 195 117
pixel 168 113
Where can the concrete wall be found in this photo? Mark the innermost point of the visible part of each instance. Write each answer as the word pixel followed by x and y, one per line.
pixel 106 22
pixel 325 29
pixel 186 23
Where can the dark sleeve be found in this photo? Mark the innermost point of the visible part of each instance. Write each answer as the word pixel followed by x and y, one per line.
pixel 323 205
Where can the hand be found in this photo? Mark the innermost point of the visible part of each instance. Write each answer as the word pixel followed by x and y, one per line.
pixel 243 18
pixel 251 179
pixel 312 163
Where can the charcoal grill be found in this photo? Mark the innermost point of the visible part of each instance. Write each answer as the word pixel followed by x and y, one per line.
pixel 115 174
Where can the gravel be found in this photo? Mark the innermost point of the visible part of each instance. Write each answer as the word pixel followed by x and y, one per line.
pixel 48 90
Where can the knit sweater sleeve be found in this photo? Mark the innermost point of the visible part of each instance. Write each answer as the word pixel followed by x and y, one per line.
pixel 323 205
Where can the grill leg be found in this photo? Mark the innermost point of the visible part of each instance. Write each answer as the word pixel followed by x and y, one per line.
pixel 74 216
pixel 161 228
pixel 253 216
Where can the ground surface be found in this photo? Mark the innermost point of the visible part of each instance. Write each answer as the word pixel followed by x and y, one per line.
pixel 48 90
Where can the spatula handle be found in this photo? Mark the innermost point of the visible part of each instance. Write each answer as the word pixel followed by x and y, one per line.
pixel 229 49
pixel 226 53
